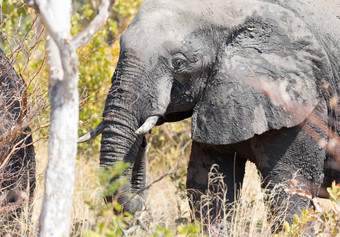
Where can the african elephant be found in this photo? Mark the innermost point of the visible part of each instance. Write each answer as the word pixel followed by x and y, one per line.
pixel 256 76
pixel 17 156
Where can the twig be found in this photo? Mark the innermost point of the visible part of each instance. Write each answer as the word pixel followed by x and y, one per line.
pixel 86 34
pixel 171 172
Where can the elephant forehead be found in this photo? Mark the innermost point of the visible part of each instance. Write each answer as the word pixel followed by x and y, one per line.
pixel 160 22
pixel 151 34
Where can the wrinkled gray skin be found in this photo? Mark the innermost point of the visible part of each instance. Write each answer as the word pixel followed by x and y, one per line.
pixel 17 156
pixel 252 74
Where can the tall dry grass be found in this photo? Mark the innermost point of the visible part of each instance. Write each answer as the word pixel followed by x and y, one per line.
pixel 167 209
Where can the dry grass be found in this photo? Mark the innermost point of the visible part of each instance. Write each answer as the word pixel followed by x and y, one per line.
pixel 167 206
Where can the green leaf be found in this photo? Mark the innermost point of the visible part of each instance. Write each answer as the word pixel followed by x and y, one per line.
pixel 296 219
pixel 90 233
pixel 286 227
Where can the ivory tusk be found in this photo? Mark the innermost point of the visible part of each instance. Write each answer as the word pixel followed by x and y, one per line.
pixel 92 134
pixel 147 125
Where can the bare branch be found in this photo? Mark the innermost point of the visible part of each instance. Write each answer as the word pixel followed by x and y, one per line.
pixel 21 197
pixel 56 29
pixel 171 172
pixel 31 3
pixel 95 25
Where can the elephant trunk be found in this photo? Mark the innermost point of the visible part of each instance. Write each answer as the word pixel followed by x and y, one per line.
pixel 121 143
pixel 139 171
pixel 129 113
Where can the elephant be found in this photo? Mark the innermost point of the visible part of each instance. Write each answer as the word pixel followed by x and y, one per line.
pixel 259 79
pixel 17 155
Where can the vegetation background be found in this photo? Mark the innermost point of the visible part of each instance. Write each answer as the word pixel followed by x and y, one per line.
pixel 167 210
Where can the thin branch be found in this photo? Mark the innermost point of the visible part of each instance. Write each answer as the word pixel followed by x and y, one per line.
pixel 96 24
pixel 54 29
pixel 8 208
pixel 171 172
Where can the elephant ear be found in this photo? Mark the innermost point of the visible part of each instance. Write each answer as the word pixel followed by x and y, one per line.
pixel 267 77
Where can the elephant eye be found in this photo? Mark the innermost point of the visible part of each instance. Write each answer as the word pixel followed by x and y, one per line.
pixel 177 63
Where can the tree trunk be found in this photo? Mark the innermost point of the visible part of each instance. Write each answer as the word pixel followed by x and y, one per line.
pixel 62 150
pixel 55 218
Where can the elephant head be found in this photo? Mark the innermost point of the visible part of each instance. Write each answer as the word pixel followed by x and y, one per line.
pixel 237 67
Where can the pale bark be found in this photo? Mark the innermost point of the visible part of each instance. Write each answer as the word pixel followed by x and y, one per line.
pixel 55 218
